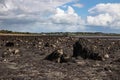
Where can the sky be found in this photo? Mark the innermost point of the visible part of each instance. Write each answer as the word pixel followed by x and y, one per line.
pixel 60 15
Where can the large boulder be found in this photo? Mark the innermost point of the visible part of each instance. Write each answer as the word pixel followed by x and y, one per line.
pixel 58 56
pixel 96 49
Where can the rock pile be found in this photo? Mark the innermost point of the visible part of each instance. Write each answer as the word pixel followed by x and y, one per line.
pixel 10 52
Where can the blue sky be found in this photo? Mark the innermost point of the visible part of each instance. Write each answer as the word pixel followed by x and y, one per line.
pixel 60 15
pixel 89 4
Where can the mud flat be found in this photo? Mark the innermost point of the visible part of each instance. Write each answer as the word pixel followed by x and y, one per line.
pixel 59 58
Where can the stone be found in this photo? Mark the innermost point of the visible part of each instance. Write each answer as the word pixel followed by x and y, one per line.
pixel 9 44
pixel 106 56
pixel 91 49
pixel 54 46
pixel 65 58
pixel 40 43
pixel 16 51
pixel 58 56
pixel 4 54
pixel 10 52
pixel 55 55
pixel 47 44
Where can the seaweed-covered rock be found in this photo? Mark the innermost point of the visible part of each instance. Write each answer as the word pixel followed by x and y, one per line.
pixel 96 49
pixel 58 56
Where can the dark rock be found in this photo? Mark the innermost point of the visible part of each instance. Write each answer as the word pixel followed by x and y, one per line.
pixel 90 49
pixel 65 58
pixel 9 44
pixel 55 55
pixel 4 54
pixel 47 44
pixel 117 60
pixel 58 56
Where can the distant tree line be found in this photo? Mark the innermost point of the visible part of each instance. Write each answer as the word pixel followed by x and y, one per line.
pixel 63 33
pixel 80 34
pixel 11 32
pixel 5 31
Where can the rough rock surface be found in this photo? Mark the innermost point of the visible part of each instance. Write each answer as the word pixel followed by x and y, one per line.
pixel 97 49
pixel 58 56
pixel 25 58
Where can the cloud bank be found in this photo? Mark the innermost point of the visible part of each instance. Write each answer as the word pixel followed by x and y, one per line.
pixel 38 16
pixel 47 16
pixel 106 15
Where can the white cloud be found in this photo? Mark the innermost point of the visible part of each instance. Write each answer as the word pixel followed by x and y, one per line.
pixel 112 8
pixel 38 16
pixel 78 5
pixel 25 12
pixel 68 19
pixel 101 19
pixel 107 15
pixel 62 21
pixel 32 4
